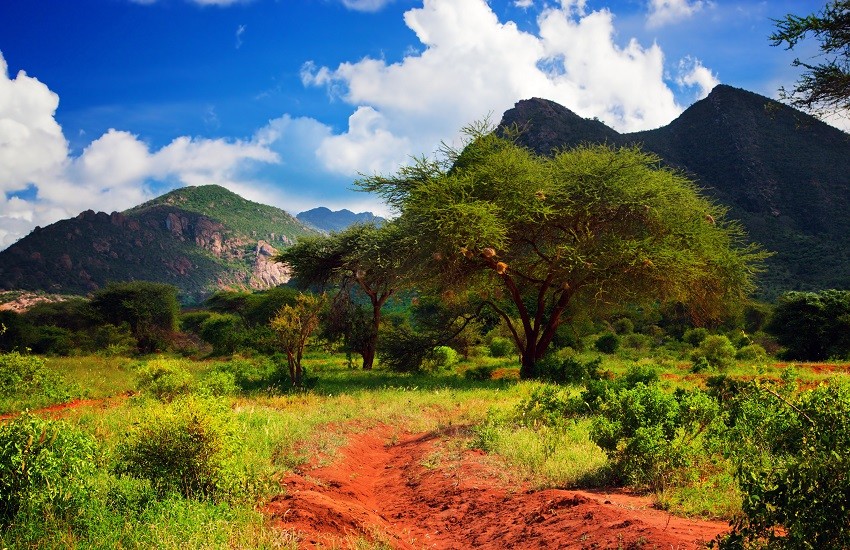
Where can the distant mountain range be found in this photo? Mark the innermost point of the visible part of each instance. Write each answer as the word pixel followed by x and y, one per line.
pixel 199 239
pixel 329 221
pixel 784 174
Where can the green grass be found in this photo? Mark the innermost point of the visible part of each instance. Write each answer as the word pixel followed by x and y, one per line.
pixel 283 429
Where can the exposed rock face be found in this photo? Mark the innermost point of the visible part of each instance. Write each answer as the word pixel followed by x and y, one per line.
pixel 198 239
pixel 267 273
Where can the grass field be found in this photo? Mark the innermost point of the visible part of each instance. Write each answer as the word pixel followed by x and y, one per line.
pixel 277 430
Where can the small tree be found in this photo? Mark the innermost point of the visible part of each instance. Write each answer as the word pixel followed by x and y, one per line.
pixel 151 310
pixel 294 325
pixel 813 325
pixel 363 256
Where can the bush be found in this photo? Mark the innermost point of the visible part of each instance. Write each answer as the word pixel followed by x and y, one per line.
pixel 607 343
pixel 695 336
pixel 441 357
pixel 623 325
pixel 165 379
pixel 792 454
pixel 546 406
pixel 218 384
pixel 223 332
pixel 26 375
pixel 45 467
pixel 717 350
pixel 501 347
pixel 640 342
pixel 649 434
pixel 479 372
pixel 568 370
pixel 751 352
pixel 186 447
pixel 813 326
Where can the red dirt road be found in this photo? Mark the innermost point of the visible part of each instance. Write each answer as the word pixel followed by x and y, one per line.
pixel 411 493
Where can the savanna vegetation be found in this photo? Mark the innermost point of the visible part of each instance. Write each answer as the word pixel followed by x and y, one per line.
pixel 584 318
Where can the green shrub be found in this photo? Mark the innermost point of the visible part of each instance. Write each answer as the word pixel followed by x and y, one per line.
pixel 695 336
pixel 223 332
pixel 45 467
pixel 607 343
pixel 547 405
pixel 26 375
pixel 569 370
pixel 792 455
pixel 191 321
pixel 634 341
pixel 165 379
pixel 624 325
pixel 751 352
pixel 717 350
pixel 501 347
pixel 479 372
pixel 218 383
pixel 649 435
pixel 186 447
pixel 441 357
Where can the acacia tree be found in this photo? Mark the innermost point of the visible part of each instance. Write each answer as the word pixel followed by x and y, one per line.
pixel 541 238
pixel 823 87
pixel 150 309
pixel 364 256
pixel 294 324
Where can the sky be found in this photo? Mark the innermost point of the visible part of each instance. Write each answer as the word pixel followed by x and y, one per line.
pixel 107 103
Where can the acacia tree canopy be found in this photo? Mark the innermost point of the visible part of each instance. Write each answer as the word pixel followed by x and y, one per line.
pixel 823 87
pixel 540 238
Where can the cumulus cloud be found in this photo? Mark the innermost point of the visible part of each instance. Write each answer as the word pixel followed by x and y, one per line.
pixel 693 73
pixel 112 173
pixel 472 64
pixel 664 12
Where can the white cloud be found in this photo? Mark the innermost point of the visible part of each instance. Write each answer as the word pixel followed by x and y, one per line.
pixel 366 5
pixel 664 12
pixel 240 30
pixel 112 173
pixel 693 73
pixel 473 64
pixel 524 4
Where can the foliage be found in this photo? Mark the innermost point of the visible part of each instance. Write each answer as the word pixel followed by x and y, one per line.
pixel 365 257
pixel 294 325
pixel 150 309
pixel 607 343
pixel 623 325
pixel 45 467
pixel 479 372
pixel 792 455
pixel 23 376
pixel 569 370
pixel 751 352
pixel 649 434
pixel 185 447
pixel 813 325
pixel 501 347
pixel 165 379
pixel 717 350
pixel 441 357
pixel 824 87
pixel 548 405
pixel 540 238
pixel 695 336
pixel 223 332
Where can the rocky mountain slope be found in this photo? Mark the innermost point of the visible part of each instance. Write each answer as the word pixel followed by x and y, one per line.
pixel 199 239
pixel 784 174
pixel 328 220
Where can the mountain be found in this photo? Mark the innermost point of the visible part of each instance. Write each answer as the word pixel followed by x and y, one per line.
pixel 328 221
pixel 199 239
pixel 782 173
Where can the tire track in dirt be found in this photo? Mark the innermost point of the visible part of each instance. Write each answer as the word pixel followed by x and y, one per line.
pixel 409 493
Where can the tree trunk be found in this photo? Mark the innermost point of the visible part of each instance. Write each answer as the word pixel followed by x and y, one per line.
pixel 369 352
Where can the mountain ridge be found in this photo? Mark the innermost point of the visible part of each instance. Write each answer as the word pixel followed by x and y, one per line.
pixel 199 239
pixel 783 174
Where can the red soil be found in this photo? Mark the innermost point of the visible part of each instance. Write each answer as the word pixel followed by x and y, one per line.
pixel 55 410
pixel 412 494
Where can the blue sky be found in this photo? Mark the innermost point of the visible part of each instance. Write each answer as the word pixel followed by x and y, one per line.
pixel 106 103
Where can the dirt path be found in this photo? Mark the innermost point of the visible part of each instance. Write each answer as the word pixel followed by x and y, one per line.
pixel 57 408
pixel 411 492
